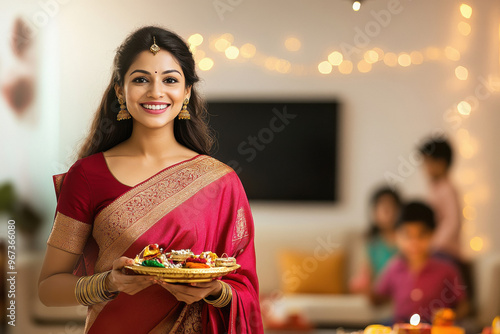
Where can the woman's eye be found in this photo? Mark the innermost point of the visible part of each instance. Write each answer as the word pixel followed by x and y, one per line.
pixel 170 80
pixel 140 80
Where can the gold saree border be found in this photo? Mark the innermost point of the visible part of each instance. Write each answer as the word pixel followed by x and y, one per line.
pixel 122 222
pixel 69 234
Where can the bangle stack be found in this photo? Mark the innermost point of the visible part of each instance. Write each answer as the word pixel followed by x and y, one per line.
pixel 225 297
pixel 90 290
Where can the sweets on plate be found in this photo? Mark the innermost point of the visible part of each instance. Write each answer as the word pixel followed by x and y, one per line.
pixel 154 256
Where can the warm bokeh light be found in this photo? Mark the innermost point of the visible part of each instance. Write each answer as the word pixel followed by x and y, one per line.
pixel 469 212
pixel 232 52
pixel 248 50
pixel 464 108
pixel 415 320
pixel 335 58
pixel 283 66
pixel 461 72
pixel 476 244
pixel 404 59
pixel 464 28
pixel 371 56
pixel 432 53
pixel 292 44
pixel 222 44
pixel 391 59
pixel 364 66
pixel 466 10
pixel 469 198
pixel 356 5
pixel 195 39
pixel 206 64
pixel 346 67
pixel 270 63
pixel 417 57
pixel 325 67
pixel 380 53
pixel 452 53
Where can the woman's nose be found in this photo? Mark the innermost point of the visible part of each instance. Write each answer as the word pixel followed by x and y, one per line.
pixel 156 89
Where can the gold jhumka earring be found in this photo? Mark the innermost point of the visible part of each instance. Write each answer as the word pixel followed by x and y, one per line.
pixel 123 113
pixel 184 114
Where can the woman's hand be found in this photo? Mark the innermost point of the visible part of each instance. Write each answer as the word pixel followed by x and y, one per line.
pixel 130 284
pixel 193 292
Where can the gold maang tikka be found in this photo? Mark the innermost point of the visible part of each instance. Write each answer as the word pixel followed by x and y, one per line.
pixel 154 48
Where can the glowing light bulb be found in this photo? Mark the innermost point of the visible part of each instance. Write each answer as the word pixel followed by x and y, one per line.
pixel 464 108
pixel 461 73
pixel 364 66
pixel 195 39
pixel 232 52
pixel 325 67
pixel 248 50
pixel 371 56
pixel 206 64
pixel 335 58
pixel 404 60
pixel 391 59
pixel 345 67
pixel 466 10
pixel 356 5
pixel 476 244
pixel 415 320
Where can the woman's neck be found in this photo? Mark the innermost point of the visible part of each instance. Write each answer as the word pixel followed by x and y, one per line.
pixel 153 143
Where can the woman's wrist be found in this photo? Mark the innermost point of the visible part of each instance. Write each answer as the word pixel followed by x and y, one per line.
pixel 224 298
pixel 110 287
pixel 216 292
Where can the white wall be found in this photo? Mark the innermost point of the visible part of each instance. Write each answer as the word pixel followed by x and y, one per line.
pixel 384 112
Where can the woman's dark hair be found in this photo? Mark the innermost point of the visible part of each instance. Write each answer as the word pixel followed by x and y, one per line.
pixel 439 149
pixel 374 230
pixel 417 212
pixel 106 131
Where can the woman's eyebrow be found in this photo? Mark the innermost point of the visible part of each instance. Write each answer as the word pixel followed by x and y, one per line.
pixel 164 72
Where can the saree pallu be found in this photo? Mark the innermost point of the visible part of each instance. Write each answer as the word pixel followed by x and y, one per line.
pixel 198 204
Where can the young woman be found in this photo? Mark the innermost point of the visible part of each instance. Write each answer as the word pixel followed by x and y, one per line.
pixel 144 176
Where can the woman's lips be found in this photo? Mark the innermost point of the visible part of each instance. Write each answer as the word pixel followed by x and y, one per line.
pixel 155 107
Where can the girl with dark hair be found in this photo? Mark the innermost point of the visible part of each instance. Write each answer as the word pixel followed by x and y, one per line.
pixel 144 176
pixel 384 208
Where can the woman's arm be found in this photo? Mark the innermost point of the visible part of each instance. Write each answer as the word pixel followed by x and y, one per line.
pixel 56 285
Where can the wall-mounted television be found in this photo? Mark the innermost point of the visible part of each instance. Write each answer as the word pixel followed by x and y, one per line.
pixel 281 150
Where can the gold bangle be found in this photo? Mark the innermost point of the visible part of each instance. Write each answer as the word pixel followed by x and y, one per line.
pixel 90 290
pixel 225 297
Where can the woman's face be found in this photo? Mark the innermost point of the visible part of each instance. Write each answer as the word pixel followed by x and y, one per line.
pixel 154 89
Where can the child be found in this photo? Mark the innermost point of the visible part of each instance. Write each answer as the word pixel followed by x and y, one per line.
pixel 415 281
pixel 384 209
pixel 438 157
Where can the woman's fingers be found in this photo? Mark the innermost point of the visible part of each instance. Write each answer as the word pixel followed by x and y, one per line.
pixel 121 262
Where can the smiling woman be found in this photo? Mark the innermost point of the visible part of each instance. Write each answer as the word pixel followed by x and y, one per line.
pixel 143 176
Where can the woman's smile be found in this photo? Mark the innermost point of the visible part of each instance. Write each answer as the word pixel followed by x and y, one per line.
pixel 155 107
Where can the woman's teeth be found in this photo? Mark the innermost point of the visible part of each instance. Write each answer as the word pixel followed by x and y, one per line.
pixel 155 106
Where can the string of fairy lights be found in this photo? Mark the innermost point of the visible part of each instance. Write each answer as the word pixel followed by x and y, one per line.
pixel 336 63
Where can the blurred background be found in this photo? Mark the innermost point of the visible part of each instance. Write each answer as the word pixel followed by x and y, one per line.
pixel 398 71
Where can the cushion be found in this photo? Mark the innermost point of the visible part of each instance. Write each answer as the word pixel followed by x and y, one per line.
pixel 303 272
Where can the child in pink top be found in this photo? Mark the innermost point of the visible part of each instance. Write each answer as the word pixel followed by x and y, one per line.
pixel 415 281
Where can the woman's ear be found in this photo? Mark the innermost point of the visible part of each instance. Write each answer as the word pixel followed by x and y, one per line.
pixel 188 92
pixel 118 90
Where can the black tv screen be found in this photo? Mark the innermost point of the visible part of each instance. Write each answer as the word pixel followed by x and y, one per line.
pixel 281 150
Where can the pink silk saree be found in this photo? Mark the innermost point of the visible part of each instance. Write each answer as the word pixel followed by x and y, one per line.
pixel 198 204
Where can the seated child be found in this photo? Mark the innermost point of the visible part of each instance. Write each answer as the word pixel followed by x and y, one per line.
pixel 415 281
pixel 380 243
